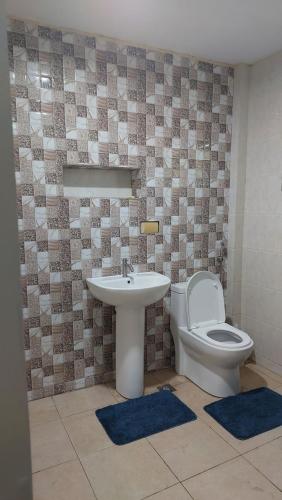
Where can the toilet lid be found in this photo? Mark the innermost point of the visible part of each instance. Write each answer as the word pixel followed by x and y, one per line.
pixel 205 304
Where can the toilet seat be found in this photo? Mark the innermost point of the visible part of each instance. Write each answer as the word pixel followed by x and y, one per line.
pixel 228 331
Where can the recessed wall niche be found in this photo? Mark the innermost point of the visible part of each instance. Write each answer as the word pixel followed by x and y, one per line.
pixel 88 181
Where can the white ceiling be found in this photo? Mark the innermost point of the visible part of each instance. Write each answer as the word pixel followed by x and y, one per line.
pixel 230 31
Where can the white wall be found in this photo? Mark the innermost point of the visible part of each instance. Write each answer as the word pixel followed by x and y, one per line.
pixel 261 301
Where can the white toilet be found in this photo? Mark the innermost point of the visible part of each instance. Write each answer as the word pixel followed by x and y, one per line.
pixel 207 350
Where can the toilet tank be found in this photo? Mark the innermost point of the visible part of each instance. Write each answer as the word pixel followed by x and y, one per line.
pixel 178 304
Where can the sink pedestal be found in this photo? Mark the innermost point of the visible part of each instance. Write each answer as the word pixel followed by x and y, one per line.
pixel 130 296
pixel 130 326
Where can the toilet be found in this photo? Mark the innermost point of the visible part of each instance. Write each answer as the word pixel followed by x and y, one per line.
pixel 207 350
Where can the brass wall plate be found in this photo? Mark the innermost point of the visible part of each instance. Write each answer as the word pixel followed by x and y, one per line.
pixel 149 227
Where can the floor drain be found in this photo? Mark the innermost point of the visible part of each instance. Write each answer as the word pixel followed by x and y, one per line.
pixel 166 387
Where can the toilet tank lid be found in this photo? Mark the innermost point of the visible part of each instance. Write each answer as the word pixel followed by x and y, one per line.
pixel 179 287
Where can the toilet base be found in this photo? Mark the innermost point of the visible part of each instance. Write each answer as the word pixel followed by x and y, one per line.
pixel 215 380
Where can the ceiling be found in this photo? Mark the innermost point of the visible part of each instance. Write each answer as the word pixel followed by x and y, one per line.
pixel 230 31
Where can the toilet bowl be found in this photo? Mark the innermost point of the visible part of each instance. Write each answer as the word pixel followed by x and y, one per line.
pixel 207 350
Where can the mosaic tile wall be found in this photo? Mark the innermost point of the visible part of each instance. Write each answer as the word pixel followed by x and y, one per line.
pixel 76 98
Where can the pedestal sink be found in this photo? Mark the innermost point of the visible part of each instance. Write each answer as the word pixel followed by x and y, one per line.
pixel 130 295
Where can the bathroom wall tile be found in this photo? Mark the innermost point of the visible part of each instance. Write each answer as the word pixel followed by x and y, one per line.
pixel 96 100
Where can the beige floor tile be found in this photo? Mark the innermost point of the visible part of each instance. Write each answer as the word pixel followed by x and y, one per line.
pixel 63 482
pixel 50 446
pixel 151 382
pixel 86 433
pixel 196 399
pixel 191 449
pixel 265 371
pixel 129 472
pixel 242 446
pixel 235 480
pixel 42 411
pixel 169 376
pixel 112 388
pixel 193 396
pixel 268 460
pixel 83 400
pixel 177 492
pixel 252 378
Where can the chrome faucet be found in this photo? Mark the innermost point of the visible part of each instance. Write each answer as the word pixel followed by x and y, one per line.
pixel 126 265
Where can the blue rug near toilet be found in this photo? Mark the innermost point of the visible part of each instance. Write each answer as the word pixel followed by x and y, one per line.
pixel 144 416
pixel 249 413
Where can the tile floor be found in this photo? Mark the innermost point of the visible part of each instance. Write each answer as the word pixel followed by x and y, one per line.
pixel 73 459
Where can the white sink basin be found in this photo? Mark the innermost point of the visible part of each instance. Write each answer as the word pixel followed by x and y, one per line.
pixel 140 289
pixel 130 296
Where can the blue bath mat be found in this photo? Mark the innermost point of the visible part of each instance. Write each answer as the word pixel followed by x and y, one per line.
pixel 141 417
pixel 249 413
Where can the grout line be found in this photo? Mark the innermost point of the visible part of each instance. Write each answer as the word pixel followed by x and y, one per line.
pixel 210 468
pixel 91 413
pixel 53 466
pixel 78 458
pixel 55 419
pixel 217 432
pixel 163 460
pixel 85 410
pixel 160 491
pixel 198 473
pixel 264 444
pixel 240 453
pixel 190 494
pixel 78 413
pixel 260 472
pixel 52 420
